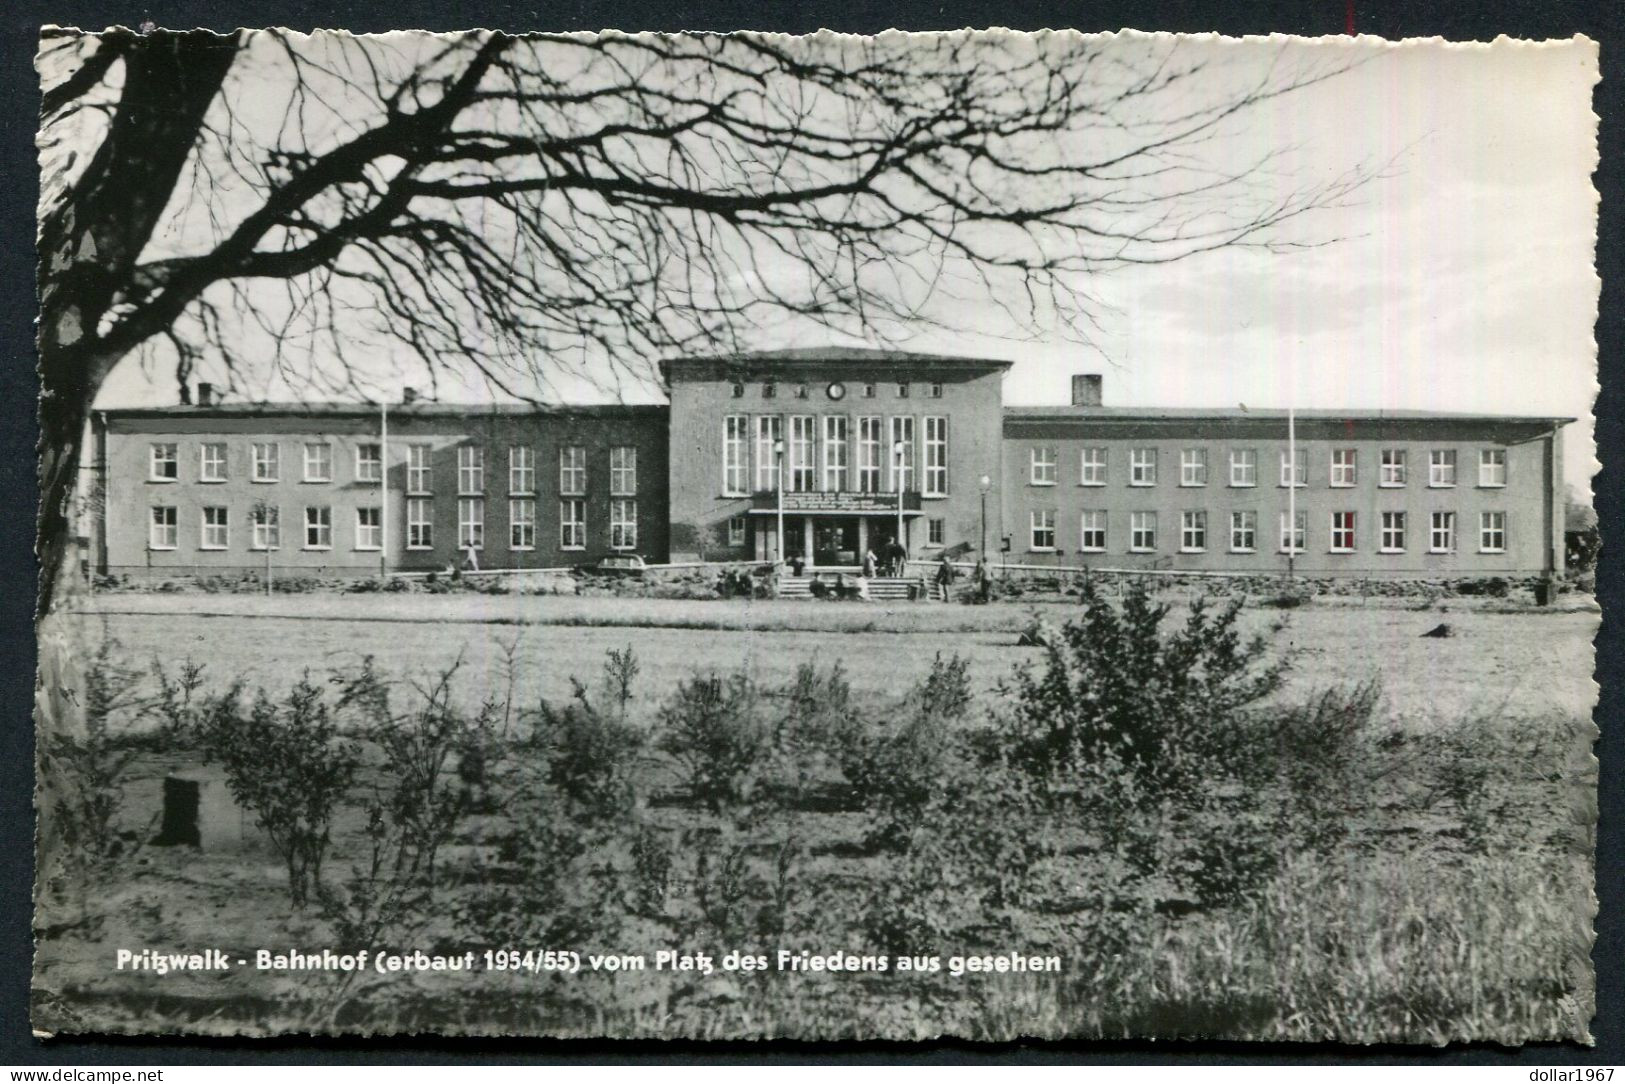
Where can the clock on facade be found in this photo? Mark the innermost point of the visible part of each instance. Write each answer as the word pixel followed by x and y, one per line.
pixel 836 391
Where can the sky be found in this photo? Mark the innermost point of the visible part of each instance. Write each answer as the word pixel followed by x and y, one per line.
pixel 1461 279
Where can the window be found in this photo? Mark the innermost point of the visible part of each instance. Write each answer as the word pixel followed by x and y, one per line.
pixel 869 441
pixel 936 456
pixel 1295 537
pixel 1142 532
pixel 1492 532
pixel 1243 532
pixel 1142 467
pixel 1294 467
pixel 1193 467
pixel 318 527
pixel 769 429
pixel 470 469
pixel 936 530
pixel 1042 466
pixel 573 471
pixel 1393 468
pixel 623 471
pixel 803 441
pixel 369 463
pixel 216 532
pixel 1492 467
pixel 736 531
pixel 769 390
pixel 165 463
pixel 1393 532
pixel 1442 532
pixel 902 391
pixel 801 391
pixel 738 390
pixel 936 391
pixel 266 462
pixel 211 463
pixel 419 523
pixel 902 453
pixel 417 468
pixel 1243 467
pixel 1092 532
pixel 835 452
pixel 868 391
pixel 369 529
pixel 266 526
pixel 470 523
pixel 522 523
pixel 1342 532
pixel 623 524
pixel 1192 532
pixel 1043 529
pixel 161 535
pixel 735 463
pixel 1442 467
pixel 573 524
pixel 318 462
pixel 521 469
pixel 1092 467
pixel 1343 474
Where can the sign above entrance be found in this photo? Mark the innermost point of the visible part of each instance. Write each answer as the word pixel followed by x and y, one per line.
pixel 842 502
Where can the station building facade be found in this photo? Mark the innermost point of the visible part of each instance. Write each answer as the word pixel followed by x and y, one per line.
pixel 827 453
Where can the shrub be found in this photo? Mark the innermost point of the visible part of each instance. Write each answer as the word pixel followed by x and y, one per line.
pixel 589 755
pixel 88 768
pixel 899 769
pixel 1134 732
pixel 286 764
pixel 712 728
pixel 177 705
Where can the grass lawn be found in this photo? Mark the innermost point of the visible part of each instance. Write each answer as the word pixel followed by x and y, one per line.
pixel 1518 664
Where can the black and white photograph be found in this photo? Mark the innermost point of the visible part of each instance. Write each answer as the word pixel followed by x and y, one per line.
pixel 976 535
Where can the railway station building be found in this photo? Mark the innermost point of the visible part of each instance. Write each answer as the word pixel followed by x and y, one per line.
pixel 824 453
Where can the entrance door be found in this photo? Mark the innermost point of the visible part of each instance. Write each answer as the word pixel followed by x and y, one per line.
pixel 835 541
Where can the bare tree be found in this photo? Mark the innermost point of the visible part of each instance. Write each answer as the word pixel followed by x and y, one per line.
pixel 531 207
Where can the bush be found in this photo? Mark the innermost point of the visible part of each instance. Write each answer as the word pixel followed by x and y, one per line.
pixel 89 767
pixel 712 728
pixel 1133 732
pixel 899 769
pixel 589 755
pixel 284 763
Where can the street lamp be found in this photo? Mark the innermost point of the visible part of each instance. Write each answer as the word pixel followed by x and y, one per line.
pixel 897 473
pixel 987 484
pixel 778 460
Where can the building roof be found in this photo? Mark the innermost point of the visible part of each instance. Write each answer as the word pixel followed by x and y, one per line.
pixel 419 409
pixel 830 357
pixel 1231 414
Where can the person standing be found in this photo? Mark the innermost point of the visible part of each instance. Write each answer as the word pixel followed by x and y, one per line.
pixel 871 563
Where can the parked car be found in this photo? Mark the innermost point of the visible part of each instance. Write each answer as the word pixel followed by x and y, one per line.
pixel 621 564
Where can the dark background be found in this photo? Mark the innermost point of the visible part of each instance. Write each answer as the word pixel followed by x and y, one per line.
pixel 1603 20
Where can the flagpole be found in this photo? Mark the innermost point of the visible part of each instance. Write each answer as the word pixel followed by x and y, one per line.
pixel 1291 489
pixel 383 485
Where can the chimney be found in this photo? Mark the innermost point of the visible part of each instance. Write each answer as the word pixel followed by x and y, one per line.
pixel 1086 389
pixel 205 393
pixel 409 396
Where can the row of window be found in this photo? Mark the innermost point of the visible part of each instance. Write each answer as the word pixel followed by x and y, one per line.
pixel 1393 467
pixel 1343 536
pixel 824 453
pixel 770 390
pixel 265 465
pixel 265 525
